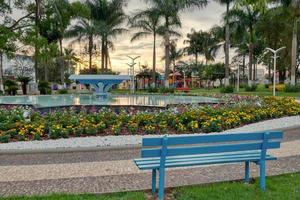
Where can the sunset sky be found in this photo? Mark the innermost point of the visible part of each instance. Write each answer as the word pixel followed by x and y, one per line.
pixel 202 19
pixel 199 19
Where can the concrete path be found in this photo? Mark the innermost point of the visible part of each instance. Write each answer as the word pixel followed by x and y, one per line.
pixel 113 170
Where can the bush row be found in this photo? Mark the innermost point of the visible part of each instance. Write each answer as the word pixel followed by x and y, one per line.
pixel 15 126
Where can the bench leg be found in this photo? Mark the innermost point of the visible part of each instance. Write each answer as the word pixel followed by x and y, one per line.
pixel 161 184
pixel 247 171
pixel 153 181
pixel 262 173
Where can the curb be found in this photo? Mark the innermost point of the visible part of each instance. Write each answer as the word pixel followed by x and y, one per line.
pixel 97 148
pixel 68 150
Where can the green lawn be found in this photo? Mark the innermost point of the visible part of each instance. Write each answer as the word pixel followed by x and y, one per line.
pixel 261 91
pixel 283 187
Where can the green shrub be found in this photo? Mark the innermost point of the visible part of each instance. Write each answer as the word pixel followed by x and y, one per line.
pixel 292 88
pixel 165 90
pixel 11 87
pixel 267 86
pixel 152 89
pixel 4 138
pixel 44 87
pixel 63 91
pixel 243 85
pixel 251 88
pixel 227 89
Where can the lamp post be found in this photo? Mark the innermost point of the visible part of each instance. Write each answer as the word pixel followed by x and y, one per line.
pixel 131 71
pixel 238 79
pixel 274 72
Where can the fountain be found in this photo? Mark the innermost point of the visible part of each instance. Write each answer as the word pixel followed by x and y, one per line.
pixel 101 97
pixel 101 83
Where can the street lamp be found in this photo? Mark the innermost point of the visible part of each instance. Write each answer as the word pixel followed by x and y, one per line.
pixel 274 72
pixel 131 71
pixel 238 79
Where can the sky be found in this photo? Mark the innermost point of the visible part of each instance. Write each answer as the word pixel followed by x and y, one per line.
pixel 198 19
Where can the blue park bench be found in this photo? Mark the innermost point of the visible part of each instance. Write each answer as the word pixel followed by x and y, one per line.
pixel 183 151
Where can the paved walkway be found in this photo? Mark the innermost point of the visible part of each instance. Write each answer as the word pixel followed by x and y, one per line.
pixel 113 170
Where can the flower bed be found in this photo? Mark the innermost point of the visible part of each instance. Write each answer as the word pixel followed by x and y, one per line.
pixel 19 124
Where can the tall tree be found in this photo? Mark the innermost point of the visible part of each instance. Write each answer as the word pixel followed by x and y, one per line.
pixel 245 15
pixel 295 11
pixel 87 31
pixel 169 11
pixel 227 40
pixel 70 59
pixel 194 44
pixel 10 29
pixel 175 55
pixel 210 45
pixel 148 22
pixel 108 16
pixel 63 13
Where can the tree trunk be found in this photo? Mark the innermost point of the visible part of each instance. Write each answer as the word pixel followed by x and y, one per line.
pixel 106 55
pixel 174 64
pixel 24 88
pixel 154 61
pixel 250 56
pixel 294 54
pixel 269 71
pixel 102 53
pixel 1 72
pixel 250 64
pixel 227 43
pixel 196 59
pixel 36 48
pixel 167 53
pixel 45 71
pixel 254 71
pixel 244 67
pixel 62 63
pixel 90 53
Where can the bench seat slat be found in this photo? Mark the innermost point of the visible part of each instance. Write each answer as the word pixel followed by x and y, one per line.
pixel 173 151
pixel 203 162
pixel 157 161
pixel 213 138
pixel 202 155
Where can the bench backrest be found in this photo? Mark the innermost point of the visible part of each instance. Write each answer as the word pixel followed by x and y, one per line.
pixel 208 144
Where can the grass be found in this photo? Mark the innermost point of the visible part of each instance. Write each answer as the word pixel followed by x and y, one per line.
pixel 261 91
pixel 283 187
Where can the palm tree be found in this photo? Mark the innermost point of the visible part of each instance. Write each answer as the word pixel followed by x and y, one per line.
pixel 295 7
pixel 108 16
pixel 62 11
pixel 148 22
pixel 245 16
pixel 194 44
pixel 70 59
pixel 227 40
pixel 175 54
pixel 210 45
pixel 169 11
pixel 84 30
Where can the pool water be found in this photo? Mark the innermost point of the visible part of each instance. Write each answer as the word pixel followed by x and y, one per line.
pixel 44 101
